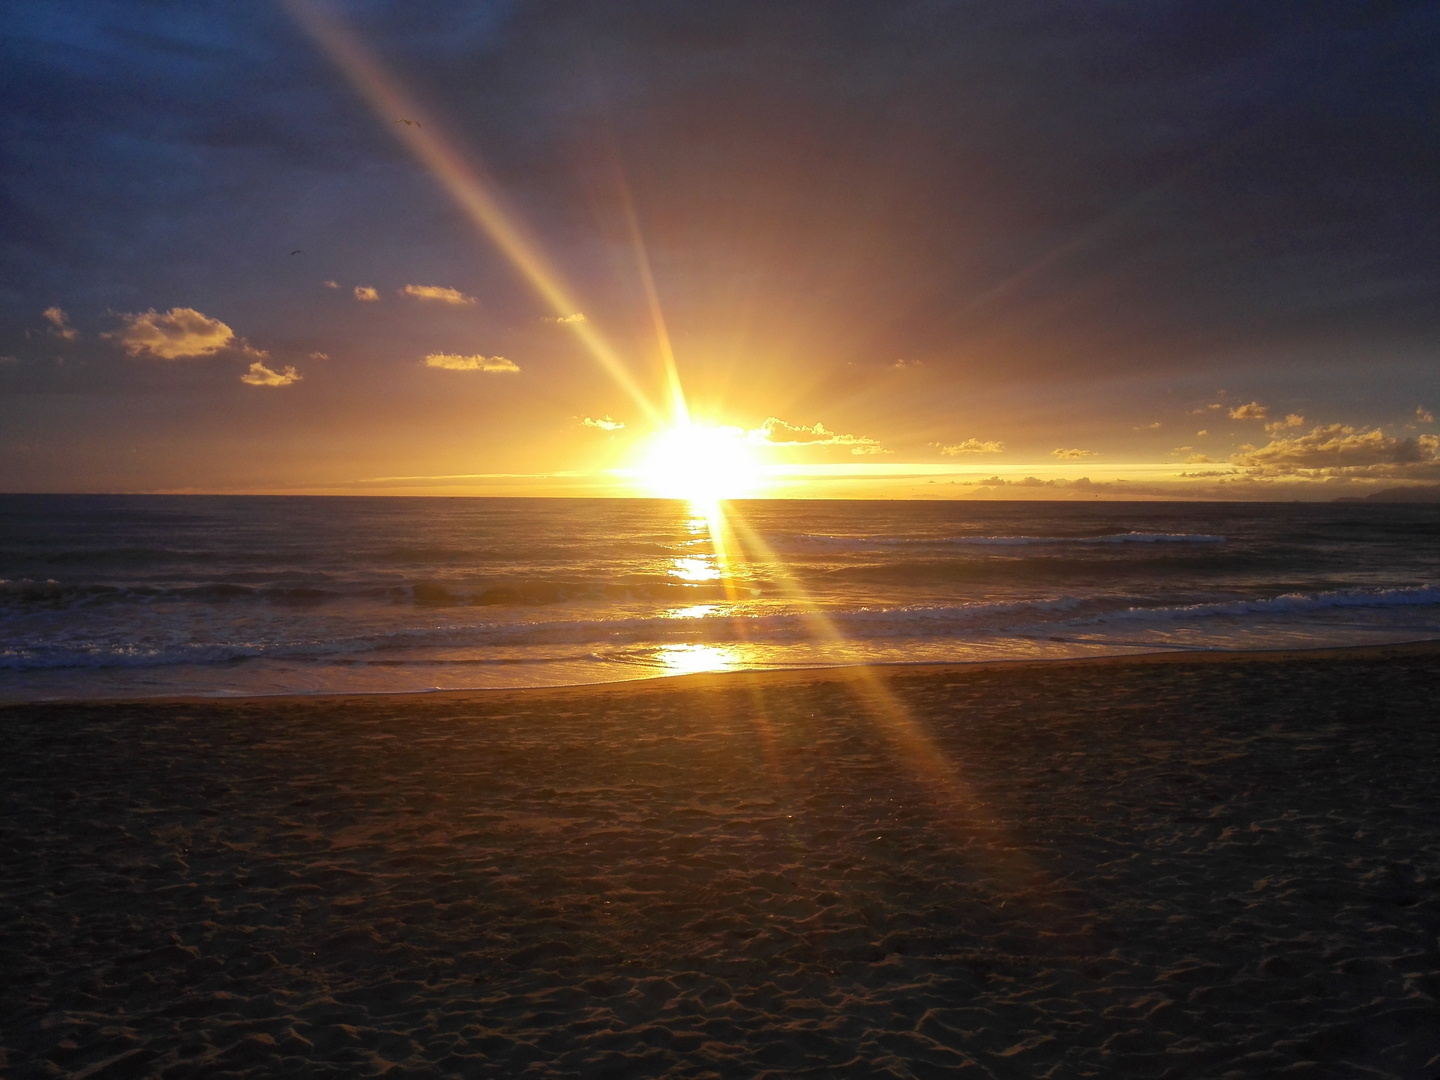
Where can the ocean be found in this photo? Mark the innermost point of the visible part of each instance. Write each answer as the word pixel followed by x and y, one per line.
pixel 151 596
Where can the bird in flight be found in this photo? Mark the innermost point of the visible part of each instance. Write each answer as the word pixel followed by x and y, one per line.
pixel 407 123
pixel 297 251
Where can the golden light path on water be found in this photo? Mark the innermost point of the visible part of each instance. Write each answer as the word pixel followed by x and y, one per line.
pixel 684 454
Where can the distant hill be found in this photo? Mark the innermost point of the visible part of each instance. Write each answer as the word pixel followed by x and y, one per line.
pixel 1420 493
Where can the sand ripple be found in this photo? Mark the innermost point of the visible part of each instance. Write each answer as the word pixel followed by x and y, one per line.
pixel 1174 870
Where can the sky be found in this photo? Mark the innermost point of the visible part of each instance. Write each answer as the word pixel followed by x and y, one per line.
pixel 1012 249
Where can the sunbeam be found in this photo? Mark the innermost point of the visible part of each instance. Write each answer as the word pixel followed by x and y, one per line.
pixel 907 737
pixel 462 179
pixel 702 464
pixel 680 410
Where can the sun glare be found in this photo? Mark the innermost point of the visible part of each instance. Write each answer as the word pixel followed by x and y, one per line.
pixel 700 463
pixel 691 659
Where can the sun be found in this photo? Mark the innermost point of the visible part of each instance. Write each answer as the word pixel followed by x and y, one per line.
pixel 700 463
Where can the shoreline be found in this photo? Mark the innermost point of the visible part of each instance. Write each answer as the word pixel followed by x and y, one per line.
pixel 772 677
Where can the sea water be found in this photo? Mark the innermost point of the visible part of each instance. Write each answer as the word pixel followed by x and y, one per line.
pixel 123 596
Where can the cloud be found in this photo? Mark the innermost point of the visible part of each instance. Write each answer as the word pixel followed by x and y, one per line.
pixel 452 362
pixel 1156 426
pixel 60 324
pixel 260 375
pixel 1275 427
pixel 319 356
pixel 1029 481
pixel 365 294
pixel 1061 452
pixel 900 365
pixel 1202 432
pixel 332 284
pixel 1338 450
pixel 9 359
pixel 578 316
pixel 1199 459
pixel 971 446
pixel 1423 415
pixel 777 432
pixel 1250 411
pixel 179 333
pixel 604 423
pixel 439 294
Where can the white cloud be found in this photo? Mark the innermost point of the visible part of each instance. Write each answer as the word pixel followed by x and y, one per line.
pixel 319 356
pixel 452 362
pixel 1338 450
pixel 604 423
pixel 578 316
pixel 1071 454
pixel 1423 415
pixel 260 375
pixel 332 284
pixel 365 294
pixel 438 293
pixel 1150 427
pixel 1275 427
pixel 1250 411
pixel 60 324
pixel 179 333
pixel 1202 433
pixel 972 446
pixel 777 432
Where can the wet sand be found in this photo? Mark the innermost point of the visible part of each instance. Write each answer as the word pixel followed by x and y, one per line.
pixel 1187 867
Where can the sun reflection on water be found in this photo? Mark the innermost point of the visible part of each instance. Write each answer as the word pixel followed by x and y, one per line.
pixel 695 569
pixel 694 611
pixel 687 659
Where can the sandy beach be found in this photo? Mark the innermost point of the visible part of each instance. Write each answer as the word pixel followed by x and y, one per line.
pixel 1193 866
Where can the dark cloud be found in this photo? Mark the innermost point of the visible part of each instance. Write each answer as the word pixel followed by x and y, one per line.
pixel 1003 188
pixel 1036 177
pixel 1011 192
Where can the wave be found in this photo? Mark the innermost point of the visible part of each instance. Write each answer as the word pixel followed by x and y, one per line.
pixel 866 542
pixel 26 593
pixel 492 639
pixel 1287 604
pixel 714 624
pixel 494 552
pixel 20 596
pixel 540 592
pixel 1107 538
pixel 110 556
